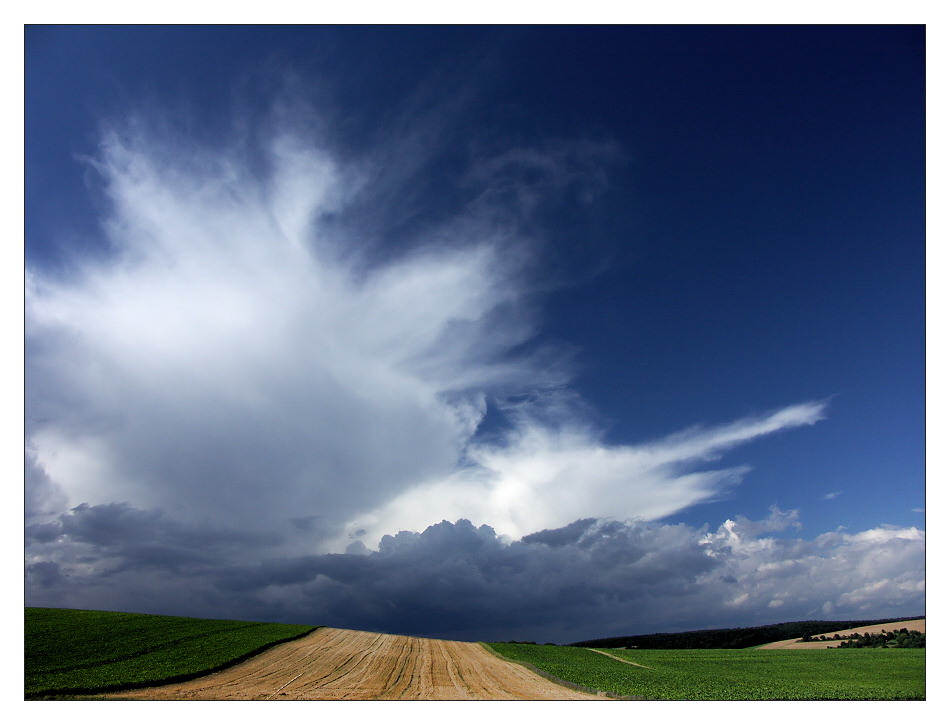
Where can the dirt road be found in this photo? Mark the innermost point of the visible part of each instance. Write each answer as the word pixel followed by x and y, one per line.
pixel 918 624
pixel 340 664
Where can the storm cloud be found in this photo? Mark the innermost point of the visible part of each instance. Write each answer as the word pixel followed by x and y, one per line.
pixel 591 578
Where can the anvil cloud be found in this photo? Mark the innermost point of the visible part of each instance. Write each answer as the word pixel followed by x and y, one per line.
pixel 235 359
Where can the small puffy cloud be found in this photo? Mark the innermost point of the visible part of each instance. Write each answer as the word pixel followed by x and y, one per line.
pixel 744 528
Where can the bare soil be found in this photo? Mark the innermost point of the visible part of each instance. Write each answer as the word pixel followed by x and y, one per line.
pixel 340 664
pixel 912 624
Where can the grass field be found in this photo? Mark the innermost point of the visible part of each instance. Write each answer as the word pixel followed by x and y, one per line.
pixel 751 674
pixel 73 651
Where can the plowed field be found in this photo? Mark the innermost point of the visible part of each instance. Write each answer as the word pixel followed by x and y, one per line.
pixel 339 664
pixel 919 624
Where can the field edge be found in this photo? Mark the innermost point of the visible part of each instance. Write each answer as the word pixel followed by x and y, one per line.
pixel 554 678
pixel 69 692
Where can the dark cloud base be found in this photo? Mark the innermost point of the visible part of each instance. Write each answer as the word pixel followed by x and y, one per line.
pixel 457 581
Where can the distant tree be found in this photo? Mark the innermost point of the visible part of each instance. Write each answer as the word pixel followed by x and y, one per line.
pixel 901 638
pixel 740 637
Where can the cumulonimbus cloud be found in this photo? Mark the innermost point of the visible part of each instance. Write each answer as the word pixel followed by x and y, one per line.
pixel 237 357
pixel 460 581
pixel 238 387
pixel 229 360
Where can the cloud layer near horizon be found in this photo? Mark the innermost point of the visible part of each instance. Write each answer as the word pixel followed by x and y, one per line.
pixel 458 581
pixel 242 356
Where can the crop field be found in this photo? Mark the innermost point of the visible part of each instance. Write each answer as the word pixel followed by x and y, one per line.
pixel 134 656
pixel 341 664
pixel 751 674
pixel 70 651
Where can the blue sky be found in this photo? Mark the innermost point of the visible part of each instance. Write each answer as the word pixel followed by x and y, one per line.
pixel 638 312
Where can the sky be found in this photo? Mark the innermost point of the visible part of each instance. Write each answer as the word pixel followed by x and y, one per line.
pixel 476 332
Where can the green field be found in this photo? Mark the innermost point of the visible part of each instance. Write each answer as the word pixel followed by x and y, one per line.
pixel 74 651
pixel 751 674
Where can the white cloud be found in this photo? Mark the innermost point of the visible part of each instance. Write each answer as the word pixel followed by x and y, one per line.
pixel 876 570
pixel 228 360
pixel 542 477
pixel 241 356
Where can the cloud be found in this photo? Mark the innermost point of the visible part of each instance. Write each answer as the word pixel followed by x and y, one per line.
pixel 43 498
pixel 456 580
pixel 229 360
pixel 540 476
pixel 875 570
pixel 239 353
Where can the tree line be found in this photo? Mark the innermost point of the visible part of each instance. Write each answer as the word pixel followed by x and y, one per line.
pixel 897 638
pixel 735 638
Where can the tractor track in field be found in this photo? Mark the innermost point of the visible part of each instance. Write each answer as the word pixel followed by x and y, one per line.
pixel 619 659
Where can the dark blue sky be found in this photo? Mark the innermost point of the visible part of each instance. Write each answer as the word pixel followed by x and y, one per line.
pixel 721 222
